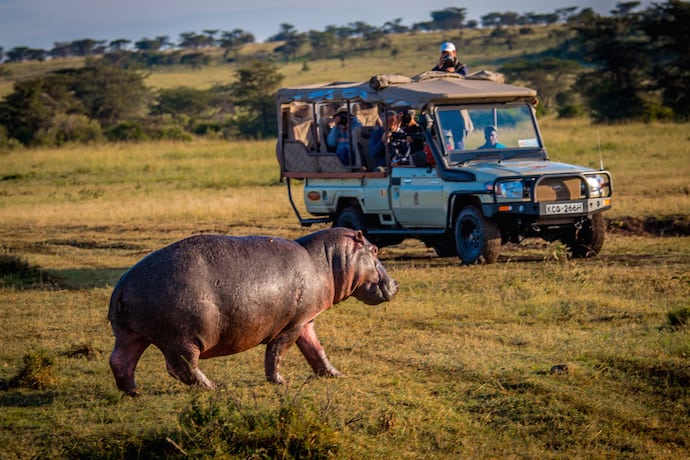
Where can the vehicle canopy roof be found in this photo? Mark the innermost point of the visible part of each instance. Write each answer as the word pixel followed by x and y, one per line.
pixel 416 92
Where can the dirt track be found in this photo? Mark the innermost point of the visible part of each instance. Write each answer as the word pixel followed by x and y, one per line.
pixel 678 225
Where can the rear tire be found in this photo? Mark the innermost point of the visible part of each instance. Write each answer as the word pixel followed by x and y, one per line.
pixel 589 239
pixel 350 217
pixel 477 239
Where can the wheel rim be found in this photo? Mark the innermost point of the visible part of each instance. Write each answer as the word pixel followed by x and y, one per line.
pixel 471 237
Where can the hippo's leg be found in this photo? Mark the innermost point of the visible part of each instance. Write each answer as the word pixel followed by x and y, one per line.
pixel 275 350
pixel 124 358
pixel 312 350
pixel 183 364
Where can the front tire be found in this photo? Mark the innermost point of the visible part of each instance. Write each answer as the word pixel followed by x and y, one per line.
pixel 478 240
pixel 588 240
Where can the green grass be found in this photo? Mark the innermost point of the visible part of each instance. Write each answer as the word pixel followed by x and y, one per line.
pixel 457 366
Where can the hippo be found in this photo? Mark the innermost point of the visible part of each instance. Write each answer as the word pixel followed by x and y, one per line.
pixel 214 295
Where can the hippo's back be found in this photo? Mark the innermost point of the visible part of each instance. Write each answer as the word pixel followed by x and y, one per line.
pixel 213 277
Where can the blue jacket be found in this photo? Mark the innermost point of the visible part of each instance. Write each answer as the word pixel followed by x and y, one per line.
pixel 338 137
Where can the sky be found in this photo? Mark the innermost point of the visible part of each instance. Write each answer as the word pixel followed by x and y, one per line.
pixel 41 23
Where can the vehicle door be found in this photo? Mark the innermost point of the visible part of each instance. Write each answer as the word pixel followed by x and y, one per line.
pixel 417 197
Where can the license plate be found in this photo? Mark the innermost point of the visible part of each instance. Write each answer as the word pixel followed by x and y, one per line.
pixel 564 208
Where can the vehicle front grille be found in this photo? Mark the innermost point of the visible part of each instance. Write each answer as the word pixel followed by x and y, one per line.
pixel 559 189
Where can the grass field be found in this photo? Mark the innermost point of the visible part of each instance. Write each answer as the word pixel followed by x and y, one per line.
pixel 459 365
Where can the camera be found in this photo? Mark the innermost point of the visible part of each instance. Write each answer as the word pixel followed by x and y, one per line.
pixel 343 120
pixel 404 136
pixel 448 62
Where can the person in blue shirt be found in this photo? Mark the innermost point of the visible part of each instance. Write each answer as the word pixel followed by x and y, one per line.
pixel 339 136
pixel 491 137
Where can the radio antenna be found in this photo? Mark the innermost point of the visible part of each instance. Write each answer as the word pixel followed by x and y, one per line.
pixel 601 158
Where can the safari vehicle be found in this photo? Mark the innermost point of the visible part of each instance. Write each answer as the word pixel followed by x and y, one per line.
pixel 458 198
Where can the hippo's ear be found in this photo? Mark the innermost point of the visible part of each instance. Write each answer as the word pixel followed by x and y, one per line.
pixel 359 237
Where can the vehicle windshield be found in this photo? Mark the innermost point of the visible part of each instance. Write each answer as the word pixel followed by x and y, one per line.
pixel 470 132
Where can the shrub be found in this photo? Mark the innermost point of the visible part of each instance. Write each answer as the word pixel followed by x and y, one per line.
pixel 679 318
pixel 126 131
pixel 38 371
pixel 571 111
pixel 17 272
pixel 70 128
pixel 6 142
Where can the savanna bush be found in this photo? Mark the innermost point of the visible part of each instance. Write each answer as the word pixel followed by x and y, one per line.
pixel 126 131
pixel 17 272
pixel 679 318
pixel 70 128
pixel 38 371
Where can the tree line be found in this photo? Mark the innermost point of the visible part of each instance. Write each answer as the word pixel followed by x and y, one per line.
pixel 446 19
pixel 630 65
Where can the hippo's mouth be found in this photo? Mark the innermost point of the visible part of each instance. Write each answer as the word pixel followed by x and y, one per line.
pixel 389 289
pixel 376 293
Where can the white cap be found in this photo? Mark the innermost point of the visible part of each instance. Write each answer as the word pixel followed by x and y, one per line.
pixel 447 46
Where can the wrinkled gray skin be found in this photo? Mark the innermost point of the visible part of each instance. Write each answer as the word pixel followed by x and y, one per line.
pixel 213 295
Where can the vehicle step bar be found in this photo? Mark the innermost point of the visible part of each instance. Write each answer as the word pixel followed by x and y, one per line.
pixel 406 231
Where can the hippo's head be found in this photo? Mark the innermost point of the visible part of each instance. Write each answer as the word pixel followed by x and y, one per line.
pixel 372 284
pixel 354 263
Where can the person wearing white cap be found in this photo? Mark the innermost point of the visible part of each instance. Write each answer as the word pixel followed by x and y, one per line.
pixel 448 62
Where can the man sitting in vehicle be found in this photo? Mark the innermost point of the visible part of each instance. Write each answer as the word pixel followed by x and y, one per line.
pixel 491 137
pixel 339 136
pixel 381 136
pixel 413 152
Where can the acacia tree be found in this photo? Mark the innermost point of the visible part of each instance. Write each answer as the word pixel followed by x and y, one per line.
pixel 108 94
pixel 616 88
pixel 32 106
pixel 119 44
pixel 254 92
pixel 550 76
pixel 668 25
pixel 322 44
pixel 449 18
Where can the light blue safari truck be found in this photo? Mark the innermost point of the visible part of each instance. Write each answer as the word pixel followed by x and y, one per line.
pixel 482 178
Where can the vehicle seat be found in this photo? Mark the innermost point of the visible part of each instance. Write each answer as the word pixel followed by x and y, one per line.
pixel 302 125
pixel 360 140
pixel 367 114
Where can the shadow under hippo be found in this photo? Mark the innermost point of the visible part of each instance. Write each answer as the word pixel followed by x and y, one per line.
pixel 213 295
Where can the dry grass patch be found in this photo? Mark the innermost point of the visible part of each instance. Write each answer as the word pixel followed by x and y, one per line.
pixel 457 366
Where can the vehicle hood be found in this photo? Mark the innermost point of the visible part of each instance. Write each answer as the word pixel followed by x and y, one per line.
pixel 511 168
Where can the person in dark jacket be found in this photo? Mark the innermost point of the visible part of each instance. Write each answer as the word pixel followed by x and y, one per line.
pixel 381 136
pixel 448 62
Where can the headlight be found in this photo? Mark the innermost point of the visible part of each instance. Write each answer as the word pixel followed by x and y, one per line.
pixel 513 189
pixel 596 186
